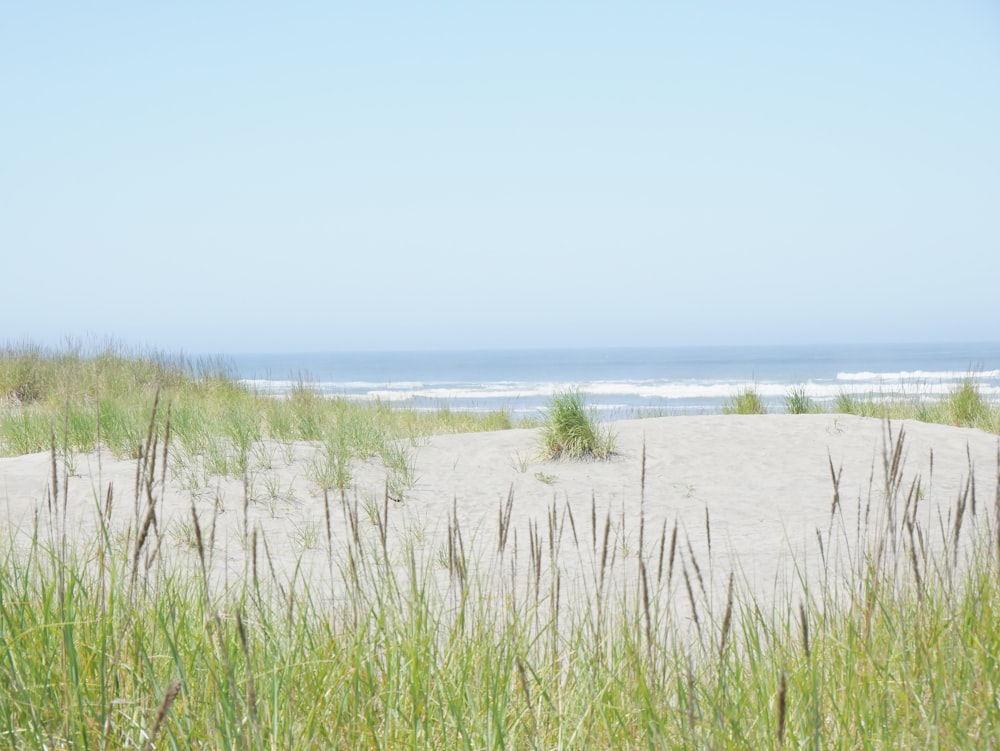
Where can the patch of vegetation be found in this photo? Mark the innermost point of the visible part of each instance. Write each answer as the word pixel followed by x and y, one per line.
pixel 570 430
pixel 798 402
pixel 964 406
pixel 102 397
pixel 746 401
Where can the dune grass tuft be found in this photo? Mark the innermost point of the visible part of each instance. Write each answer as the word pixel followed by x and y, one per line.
pixel 798 402
pixel 965 405
pixel 570 430
pixel 746 401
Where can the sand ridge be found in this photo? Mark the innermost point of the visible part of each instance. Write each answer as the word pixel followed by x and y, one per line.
pixel 760 486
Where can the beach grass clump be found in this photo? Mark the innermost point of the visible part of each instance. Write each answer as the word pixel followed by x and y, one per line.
pixel 570 429
pixel 746 401
pixel 965 406
pixel 798 402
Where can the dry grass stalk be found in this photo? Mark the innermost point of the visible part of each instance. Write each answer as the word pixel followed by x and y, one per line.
pixel 555 594
pixel 503 522
pixel 525 689
pixel 245 648
pixel 593 510
pixel 212 527
pixel 912 501
pixel 646 609
pixel 642 499
pixel 692 708
pixel 914 563
pixel 142 465
pixel 555 535
pixel 708 532
pixel 697 568
pixel 141 538
pixel 727 618
pixel 166 445
pixel 663 544
pixel 535 555
pixel 804 621
pixel 835 476
pixel 972 476
pixel 642 473
pixel 694 605
pixel 572 522
pixel 154 553
pixel 673 552
pixel 54 495
pixel 274 574
pixel 253 560
pixel 351 516
pixel 604 552
pixel 457 564
pixel 963 499
pixel 326 514
pixel 201 546
pixel 246 506
pixel 161 714
pixel 379 524
pixel 782 708
pixel 893 465
pixel 108 503
pixel 383 527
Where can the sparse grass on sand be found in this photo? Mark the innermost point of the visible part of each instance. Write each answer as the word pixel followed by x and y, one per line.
pixel 746 401
pixel 123 642
pixel 570 430
pixel 103 397
pixel 797 402
pixel 964 406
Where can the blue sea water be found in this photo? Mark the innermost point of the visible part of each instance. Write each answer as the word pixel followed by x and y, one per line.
pixel 625 382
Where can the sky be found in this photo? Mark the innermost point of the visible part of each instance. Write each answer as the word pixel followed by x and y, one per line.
pixel 248 177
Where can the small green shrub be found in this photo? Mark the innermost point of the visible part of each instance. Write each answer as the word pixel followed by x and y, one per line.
pixel 747 401
pixel 797 402
pixel 965 405
pixel 570 430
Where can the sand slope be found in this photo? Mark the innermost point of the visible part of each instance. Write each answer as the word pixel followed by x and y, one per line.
pixel 763 482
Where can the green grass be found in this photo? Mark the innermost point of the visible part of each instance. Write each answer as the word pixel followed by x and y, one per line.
pixel 797 402
pixel 747 401
pixel 123 643
pixel 570 430
pixel 103 397
pixel 964 406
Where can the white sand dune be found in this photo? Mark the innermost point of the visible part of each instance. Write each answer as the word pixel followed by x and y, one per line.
pixel 760 486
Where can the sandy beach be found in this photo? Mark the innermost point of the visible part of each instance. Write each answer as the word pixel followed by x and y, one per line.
pixel 750 494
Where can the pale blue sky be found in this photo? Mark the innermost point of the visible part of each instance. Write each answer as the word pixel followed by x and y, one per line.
pixel 214 177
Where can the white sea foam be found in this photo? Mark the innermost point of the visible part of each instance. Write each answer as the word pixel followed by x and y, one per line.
pixel 444 393
pixel 648 392
pixel 918 375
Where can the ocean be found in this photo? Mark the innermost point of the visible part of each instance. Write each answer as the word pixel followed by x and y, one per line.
pixel 626 382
